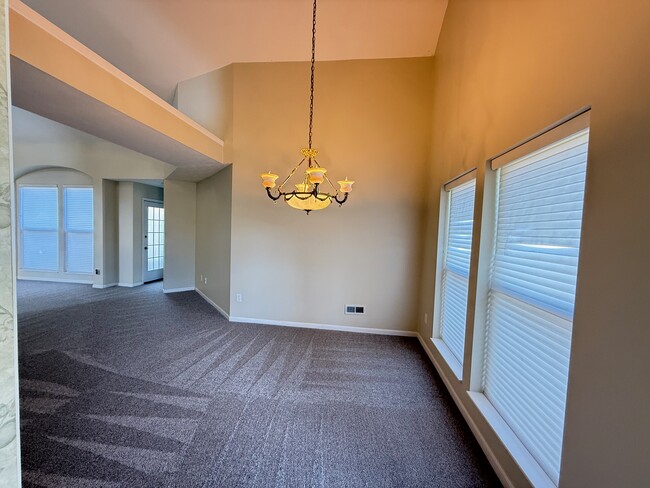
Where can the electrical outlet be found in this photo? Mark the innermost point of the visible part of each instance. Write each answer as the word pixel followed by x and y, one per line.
pixel 238 297
pixel 426 318
pixel 355 310
pixel 205 280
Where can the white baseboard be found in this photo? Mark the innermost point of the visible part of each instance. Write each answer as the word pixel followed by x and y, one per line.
pixel 340 328
pixel 55 280
pixel 107 285
pixel 178 290
pixel 130 285
pixel 489 453
pixel 306 325
pixel 211 302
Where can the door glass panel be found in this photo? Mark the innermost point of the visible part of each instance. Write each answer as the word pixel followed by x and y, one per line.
pixel 156 238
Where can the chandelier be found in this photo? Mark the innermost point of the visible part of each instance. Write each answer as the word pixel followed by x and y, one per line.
pixel 308 194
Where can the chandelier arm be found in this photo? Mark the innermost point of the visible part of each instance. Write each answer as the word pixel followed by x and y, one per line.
pixel 268 192
pixel 341 202
pixel 293 171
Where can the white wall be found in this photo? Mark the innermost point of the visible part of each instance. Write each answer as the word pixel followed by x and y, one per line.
pixel 180 232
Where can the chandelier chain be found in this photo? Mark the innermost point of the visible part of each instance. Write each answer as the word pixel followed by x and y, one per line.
pixel 311 88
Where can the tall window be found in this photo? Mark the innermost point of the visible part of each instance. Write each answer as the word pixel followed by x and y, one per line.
pixel 56 229
pixel 531 293
pixel 455 267
pixel 78 229
pixel 39 225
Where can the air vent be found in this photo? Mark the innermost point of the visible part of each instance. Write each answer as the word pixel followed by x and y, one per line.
pixel 355 309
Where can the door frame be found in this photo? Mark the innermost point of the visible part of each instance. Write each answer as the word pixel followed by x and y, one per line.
pixel 143 237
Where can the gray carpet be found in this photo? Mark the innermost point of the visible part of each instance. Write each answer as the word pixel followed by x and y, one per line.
pixel 134 388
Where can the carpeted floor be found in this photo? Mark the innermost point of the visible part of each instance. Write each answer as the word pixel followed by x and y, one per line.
pixel 134 388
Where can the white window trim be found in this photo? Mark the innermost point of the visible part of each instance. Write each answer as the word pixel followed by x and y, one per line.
pixel 528 464
pixel 61 274
pixel 444 350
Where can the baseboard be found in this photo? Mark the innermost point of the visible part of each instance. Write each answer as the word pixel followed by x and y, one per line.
pixel 130 285
pixel 211 302
pixel 107 285
pixel 489 453
pixel 55 280
pixel 178 290
pixel 340 328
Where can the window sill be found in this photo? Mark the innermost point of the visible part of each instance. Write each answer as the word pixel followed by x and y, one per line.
pixel 530 467
pixel 449 357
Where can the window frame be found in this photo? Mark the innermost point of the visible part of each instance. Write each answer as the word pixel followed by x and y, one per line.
pixel 443 230
pixel 487 243
pixel 50 275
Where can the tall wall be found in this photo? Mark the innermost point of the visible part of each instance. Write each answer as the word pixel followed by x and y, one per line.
pixel 503 71
pixel 9 448
pixel 180 235
pixel 208 99
pixel 213 224
pixel 107 233
pixel 372 124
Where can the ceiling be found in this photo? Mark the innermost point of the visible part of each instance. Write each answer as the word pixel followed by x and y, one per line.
pixel 162 42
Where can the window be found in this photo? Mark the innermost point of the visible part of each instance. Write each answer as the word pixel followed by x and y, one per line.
pixel 456 253
pixel 56 229
pixel 531 293
pixel 78 229
pixel 39 226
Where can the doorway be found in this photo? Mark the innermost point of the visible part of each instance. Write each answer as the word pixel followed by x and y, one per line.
pixel 153 240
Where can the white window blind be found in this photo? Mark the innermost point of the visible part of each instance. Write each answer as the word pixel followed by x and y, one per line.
pixel 532 291
pixel 39 226
pixel 455 273
pixel 78 229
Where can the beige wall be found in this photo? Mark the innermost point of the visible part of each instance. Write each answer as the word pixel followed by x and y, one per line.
pixel 503 71
pixel 208 99
pixel 213 237
pixel 180 232
pixel 372 124
pixel 9 445
pixel 125 233
pixel 108 237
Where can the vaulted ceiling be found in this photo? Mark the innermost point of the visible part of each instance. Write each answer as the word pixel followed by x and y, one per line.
pixel 162 42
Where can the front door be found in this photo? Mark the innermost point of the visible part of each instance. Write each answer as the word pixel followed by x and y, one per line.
pixel 153 254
